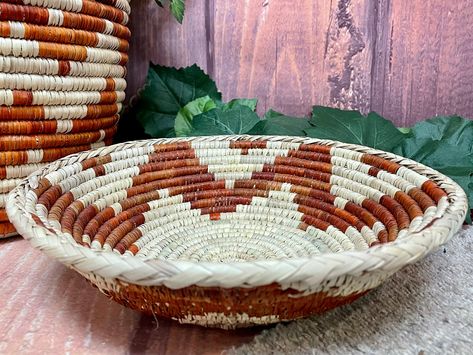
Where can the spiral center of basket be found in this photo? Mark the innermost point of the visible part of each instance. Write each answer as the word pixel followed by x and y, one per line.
pixel 232 239
pixel 231 200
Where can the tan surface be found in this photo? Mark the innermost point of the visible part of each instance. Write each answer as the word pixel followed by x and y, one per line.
pixel 46 308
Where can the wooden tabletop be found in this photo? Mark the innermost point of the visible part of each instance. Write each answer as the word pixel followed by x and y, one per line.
pixel 46 308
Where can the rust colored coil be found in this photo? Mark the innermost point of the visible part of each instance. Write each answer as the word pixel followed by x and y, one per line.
pixel 29 82
pixel 53 126
pixel 9 142
pixel 7 229
pixel 59 98
pixel 43 66
pixel 34 49
pixel 119 4
pixel 33 113
pixel 45 17
pixel 26 31
pixel 85 7
pixel 12 158
pixel 3 215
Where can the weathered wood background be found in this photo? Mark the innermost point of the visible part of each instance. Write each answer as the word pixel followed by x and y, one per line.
pixel 406 59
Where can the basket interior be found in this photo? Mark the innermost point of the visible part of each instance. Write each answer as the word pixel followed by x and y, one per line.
pixel 235 200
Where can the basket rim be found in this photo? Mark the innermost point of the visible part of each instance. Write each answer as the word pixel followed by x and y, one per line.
pixel 302 274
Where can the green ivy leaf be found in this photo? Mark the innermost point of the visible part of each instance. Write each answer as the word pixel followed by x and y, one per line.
pixel 238 120
pixel 352 127
pixel 183 123
pixel 177 8
pixel 181 86
pixel 454 130
pixel 168 90
pixel 381 133
pixel 276 123
pixel 405 130
pixel 445 144
pixel 156 125
pixel 251 103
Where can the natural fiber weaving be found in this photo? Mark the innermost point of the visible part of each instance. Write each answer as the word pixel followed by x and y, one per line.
pixel 87 7
pixel 59 67
pixel 55 98
pixel 61 126
pixel 38 141
pixel 48 17
pixel 42 155
pixel 34 49
pixel 62 69
pixel 59 112
pixel 61 35
pixel 6 185
pixel 424 308
pixel 235 231
pixel 59 83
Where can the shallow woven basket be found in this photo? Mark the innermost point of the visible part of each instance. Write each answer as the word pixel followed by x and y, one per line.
pixel 236 231
pixel 62 69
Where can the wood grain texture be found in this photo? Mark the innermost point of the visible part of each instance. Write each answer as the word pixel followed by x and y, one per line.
pixel 46 308
pixel 159 38
pixel 423 61
pixel 293 54
pixel 407 60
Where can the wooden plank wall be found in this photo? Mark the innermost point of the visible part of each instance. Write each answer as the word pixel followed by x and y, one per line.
pixel 406 59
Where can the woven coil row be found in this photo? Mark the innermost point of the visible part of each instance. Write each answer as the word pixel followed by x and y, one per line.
pixel 62 69
pixel 164 226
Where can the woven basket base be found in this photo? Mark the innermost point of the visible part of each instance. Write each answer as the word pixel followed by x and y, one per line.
pixel 244 307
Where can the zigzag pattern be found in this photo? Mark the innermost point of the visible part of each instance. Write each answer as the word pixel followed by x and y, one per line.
pixel 343 273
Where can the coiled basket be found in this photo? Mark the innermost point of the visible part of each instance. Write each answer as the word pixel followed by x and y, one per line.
pixel 238 230
pixel 62 69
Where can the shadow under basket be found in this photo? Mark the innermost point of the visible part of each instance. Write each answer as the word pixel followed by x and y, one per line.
pixel 236 231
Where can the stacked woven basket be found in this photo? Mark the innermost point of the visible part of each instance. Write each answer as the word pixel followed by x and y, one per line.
pixel 62 69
